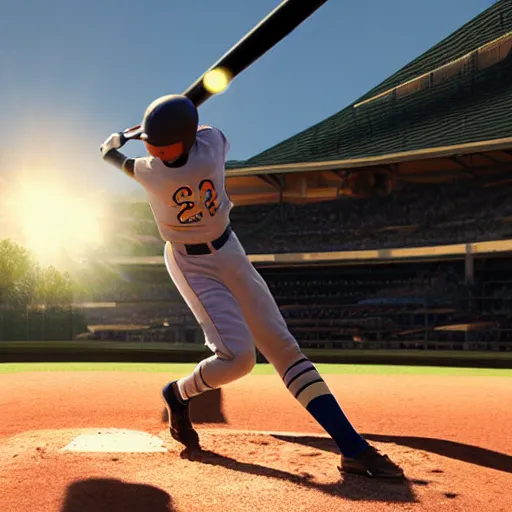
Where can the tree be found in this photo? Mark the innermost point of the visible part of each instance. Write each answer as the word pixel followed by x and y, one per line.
pixel 53 288
pixel 24 282
pixel 17 274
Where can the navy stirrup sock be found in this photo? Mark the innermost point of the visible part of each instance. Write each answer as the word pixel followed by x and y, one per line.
pixel 305 383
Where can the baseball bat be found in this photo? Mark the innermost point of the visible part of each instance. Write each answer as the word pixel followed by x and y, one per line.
pixel 287 16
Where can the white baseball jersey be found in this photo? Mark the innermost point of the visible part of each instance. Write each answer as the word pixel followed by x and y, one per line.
pixel 228 297
pixel 189 203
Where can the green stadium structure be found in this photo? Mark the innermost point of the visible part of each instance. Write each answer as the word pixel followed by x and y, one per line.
pixel 456 93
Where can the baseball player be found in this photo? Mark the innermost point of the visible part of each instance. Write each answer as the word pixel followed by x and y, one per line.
pixel 184 179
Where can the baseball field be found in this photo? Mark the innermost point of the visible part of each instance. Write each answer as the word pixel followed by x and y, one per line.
pixel 449 428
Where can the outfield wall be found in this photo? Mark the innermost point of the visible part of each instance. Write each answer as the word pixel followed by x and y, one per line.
pixel 104 351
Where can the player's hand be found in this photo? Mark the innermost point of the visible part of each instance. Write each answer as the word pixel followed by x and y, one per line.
pixel 115 141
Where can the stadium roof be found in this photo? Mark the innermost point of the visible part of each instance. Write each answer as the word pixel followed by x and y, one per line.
pixel 456 94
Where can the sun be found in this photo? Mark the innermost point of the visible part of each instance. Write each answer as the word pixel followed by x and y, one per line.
pixel 52 221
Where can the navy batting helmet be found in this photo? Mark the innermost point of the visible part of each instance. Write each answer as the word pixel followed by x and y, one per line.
pixel 170 127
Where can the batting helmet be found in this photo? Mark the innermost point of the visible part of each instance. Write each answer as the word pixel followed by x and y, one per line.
pixel 170 127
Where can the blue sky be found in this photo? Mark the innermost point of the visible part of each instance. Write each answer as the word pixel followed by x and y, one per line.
pixel 72 72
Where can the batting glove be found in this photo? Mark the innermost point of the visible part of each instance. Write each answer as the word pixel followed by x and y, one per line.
pixel 115 141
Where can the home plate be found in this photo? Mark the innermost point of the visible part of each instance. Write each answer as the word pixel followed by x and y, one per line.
pixel 115 440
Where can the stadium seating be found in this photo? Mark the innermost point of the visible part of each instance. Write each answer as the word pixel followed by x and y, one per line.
pixel 401 305
pixel 417 215
pixel 406 305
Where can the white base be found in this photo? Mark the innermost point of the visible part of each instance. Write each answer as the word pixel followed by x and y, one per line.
pixel 113 440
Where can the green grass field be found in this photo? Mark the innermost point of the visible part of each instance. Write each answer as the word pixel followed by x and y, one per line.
pixel 260 369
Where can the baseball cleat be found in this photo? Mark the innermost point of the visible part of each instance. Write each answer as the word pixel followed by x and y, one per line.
pixel 180 426
pixel 371 463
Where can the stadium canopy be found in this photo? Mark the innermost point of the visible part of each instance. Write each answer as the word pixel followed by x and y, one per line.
pixel 445 115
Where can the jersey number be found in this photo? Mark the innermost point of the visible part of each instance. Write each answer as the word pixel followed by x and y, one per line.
pixel 194 207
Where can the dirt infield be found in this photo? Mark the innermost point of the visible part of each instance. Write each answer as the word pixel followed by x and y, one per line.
pixel 452 435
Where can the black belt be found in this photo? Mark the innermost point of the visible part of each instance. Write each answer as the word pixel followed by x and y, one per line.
pixel 198 249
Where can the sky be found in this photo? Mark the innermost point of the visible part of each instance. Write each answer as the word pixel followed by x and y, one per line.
pixel 72 72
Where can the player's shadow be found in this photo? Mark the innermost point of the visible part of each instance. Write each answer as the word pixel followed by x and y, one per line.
pixel 350 487
pixel 205 408
pixel 110 495
pixel 463 452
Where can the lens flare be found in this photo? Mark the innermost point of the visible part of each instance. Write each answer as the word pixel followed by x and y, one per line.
pixel 217 80
pixel 52 222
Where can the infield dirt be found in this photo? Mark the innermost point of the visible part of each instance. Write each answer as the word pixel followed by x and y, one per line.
pixel 451 435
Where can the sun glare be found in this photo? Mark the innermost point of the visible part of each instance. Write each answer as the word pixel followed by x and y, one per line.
pixel 217 80
pixel 54 223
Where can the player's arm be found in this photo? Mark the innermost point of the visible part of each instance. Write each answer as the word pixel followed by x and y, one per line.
pixel 111 154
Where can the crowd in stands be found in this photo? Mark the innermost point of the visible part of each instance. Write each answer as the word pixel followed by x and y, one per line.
pixel 344 306
pixel 379 306
pixel 135 292
pixel 415 215
pixel 112 283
